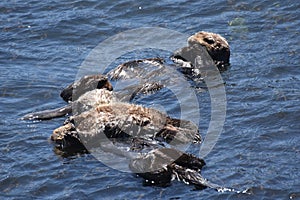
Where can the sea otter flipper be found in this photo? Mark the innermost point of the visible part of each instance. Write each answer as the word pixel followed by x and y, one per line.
pixel 131 70
pixel 49 114
pixel 146 88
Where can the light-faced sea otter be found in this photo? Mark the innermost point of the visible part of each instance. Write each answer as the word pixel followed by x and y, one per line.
pixel 216 46
pixel 198 44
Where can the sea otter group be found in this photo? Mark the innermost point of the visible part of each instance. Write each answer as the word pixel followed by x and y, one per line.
pixel 98 114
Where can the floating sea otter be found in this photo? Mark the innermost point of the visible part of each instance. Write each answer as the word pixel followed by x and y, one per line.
pixel 200 44
pixel 98 113
pixel 123 120
pixel 211 46
pixel 147 131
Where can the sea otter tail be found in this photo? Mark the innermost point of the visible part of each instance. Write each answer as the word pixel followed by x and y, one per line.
pixel 49 114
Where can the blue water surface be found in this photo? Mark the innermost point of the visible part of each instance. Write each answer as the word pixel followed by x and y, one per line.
pixel 43 43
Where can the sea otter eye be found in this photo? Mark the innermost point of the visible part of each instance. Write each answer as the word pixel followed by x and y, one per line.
pixel 209 40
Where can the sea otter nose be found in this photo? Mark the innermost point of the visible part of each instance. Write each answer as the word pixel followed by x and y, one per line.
pixel 106 85
pixel 209 40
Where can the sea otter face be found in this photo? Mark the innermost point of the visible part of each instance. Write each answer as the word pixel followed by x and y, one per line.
pixel 85 84
pixel 215 44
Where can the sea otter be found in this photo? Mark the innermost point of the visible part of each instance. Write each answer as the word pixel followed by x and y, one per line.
pixel 148 132
pixel 147 69
pixel 131 128
pixel 81 97
pixel 209 45
pixel 119 120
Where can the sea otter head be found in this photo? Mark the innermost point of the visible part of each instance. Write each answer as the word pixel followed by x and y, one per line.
pixel 216 46
pixel 85 84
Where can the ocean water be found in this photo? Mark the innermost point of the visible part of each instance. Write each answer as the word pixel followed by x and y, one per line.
pixel 44 43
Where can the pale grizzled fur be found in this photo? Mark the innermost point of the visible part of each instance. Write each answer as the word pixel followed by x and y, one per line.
pixel 116 120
